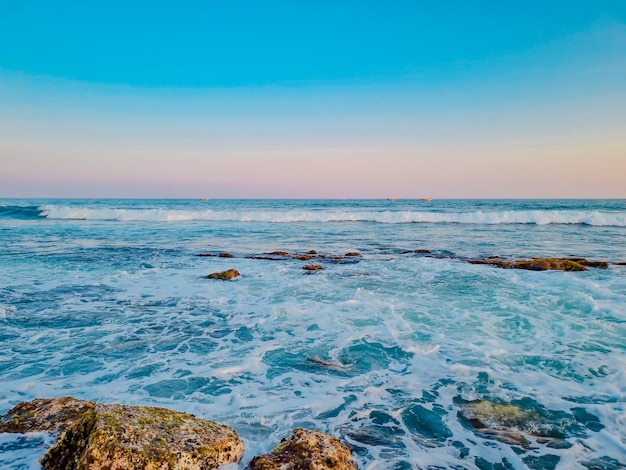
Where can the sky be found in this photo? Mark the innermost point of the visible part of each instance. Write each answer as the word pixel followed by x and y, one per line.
pixel 313 99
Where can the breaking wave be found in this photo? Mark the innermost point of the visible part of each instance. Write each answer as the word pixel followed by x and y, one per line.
pixel 537 217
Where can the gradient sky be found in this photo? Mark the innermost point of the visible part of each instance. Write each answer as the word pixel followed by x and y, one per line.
pixel 313 99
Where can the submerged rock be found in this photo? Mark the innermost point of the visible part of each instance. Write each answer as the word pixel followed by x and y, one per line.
pixel 96 436
pixel 502 422
pixel 328 364
pixel 225 275
pixel 352 254
pixel 306 450
pixel 514 423
pixel 226 255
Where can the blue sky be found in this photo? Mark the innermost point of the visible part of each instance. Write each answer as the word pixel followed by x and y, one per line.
pixel 313 99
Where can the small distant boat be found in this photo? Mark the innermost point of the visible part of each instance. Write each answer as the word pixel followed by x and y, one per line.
pixel 392 198
pixel 205 198
pixel 426 199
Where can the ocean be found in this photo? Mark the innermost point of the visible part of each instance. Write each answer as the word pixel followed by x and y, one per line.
pixel 108 300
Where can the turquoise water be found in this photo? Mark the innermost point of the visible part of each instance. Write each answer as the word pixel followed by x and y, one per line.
pixel 107 300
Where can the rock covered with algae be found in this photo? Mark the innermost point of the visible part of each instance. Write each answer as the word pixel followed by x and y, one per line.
pixel 96 436
pixel 50 415
pixel 306 450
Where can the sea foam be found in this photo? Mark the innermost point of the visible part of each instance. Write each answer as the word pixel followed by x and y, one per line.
pixel 536 217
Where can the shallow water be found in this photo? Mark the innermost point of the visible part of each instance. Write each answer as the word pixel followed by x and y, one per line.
pixel 107 300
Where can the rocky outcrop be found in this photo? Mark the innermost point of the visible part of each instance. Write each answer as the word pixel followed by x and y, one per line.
pixel 543 264
pixel 96 436
pixel 225 275
pixel 306 450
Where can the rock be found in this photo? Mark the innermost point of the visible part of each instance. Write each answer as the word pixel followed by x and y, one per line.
pixel 306 450
pixel 589 263
pixel 352 253
pixel 497 421
pixel 96 436
pixel 278 253
pixel 225 255
pixel 225 275
pixel 133 437
pixel 313 267
pixel 541 264
pixel 312 252
pixel 303 257
pixel 498 262
pixel 621 263
pixel 512 423
pixel 419 250
pixel 50 415
pixel 552 264
pixel 205 254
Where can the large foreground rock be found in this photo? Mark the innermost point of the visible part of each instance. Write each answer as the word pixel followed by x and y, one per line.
pixel 95 436
pixel 306 450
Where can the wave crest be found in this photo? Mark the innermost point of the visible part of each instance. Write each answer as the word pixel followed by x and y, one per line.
pixel 537 217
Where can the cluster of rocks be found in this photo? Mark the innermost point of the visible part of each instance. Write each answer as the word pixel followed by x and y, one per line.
pixel 532 264
pixel 98 436
pixel 283 255
pixel 280 255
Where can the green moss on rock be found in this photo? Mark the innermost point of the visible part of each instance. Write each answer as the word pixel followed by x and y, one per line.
pixel 44 414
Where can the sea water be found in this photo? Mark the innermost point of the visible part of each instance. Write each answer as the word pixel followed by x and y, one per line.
pixel 108 300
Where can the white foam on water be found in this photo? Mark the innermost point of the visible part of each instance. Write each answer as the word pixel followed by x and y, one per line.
pixel 535 217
